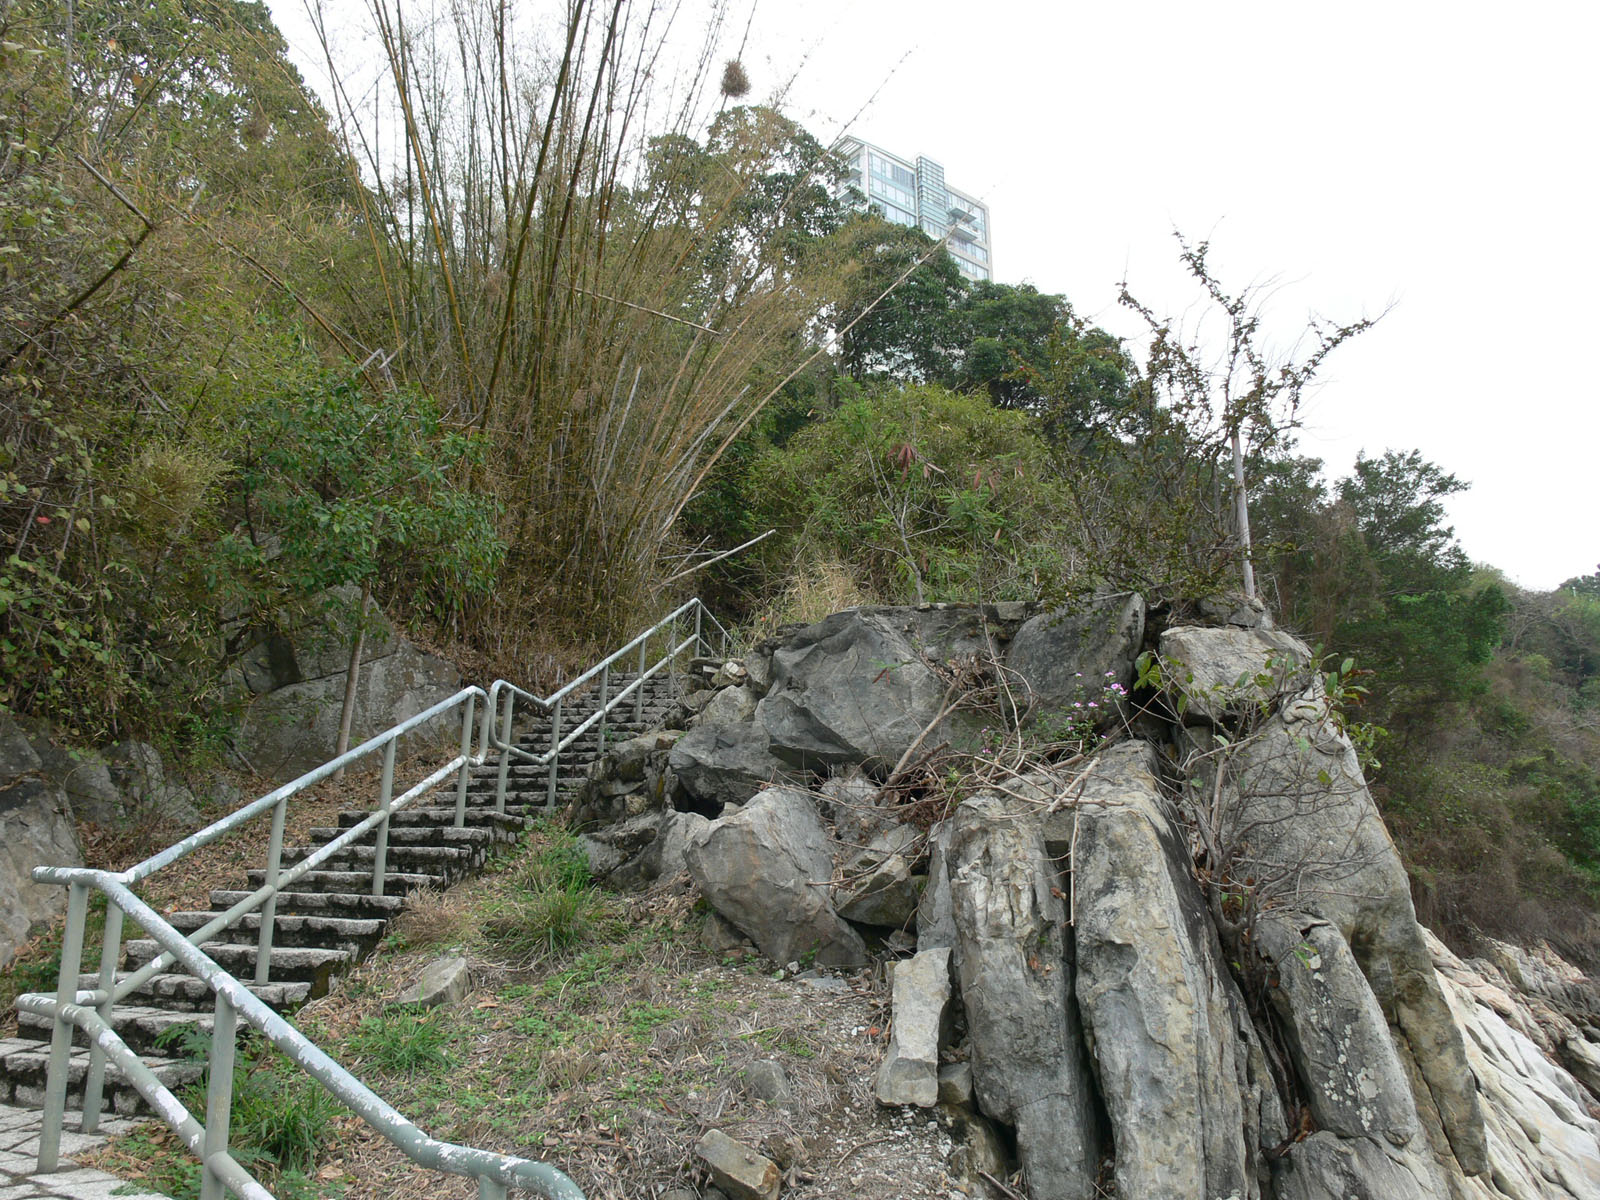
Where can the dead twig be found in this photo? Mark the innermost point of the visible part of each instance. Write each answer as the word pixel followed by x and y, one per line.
pixel 1007 1190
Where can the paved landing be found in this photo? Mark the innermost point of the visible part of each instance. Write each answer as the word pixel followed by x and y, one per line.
pixel 19 1149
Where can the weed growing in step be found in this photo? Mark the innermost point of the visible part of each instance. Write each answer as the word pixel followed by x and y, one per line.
pixel 550 906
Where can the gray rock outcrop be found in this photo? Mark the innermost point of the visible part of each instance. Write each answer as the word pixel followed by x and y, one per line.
pixel 1070 654
pixel 856 689
pixel 289 731
pixel 1319 845
pixel 1191 961
pixel 1165 1023
pixel 767 870
pixel 1029 1066
pixel 36 828
pixel 726 764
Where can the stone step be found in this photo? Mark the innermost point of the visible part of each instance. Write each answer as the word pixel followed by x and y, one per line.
pixel 358 935
pixel 25 1064
pixel 504 826
pixel 145 1030
pixel 395 883
pixel 448 862
pixel 185 993
pixel 331 919
pixel 314 965
pixel 353 905
pixel 468 838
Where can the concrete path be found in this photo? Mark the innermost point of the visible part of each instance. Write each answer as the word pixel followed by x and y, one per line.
pixel 19 1149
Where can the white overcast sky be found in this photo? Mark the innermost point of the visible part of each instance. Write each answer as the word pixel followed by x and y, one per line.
pixel 1436 159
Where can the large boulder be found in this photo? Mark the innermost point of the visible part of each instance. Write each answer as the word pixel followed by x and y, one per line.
pixel 1074 652
pixel 716 765
pixel 1355 1083
pixel 1166 1025
pixel 137 772
pixel 727 706
pixel 317 646
pixel 1223 674
pixel 36 829
pixel 1316 842
pixel 766 869
pixel 85 776
pixel 858 688
pixel 287 732
pixel 1015 974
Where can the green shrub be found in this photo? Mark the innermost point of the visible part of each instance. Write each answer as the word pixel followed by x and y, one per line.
pixel 925 495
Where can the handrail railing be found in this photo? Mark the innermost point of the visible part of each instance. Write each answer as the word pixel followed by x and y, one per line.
pixel 503 695
pixel 91 1010
pixel 494 1172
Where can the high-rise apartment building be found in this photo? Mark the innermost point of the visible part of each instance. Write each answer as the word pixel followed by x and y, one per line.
pixel 915 193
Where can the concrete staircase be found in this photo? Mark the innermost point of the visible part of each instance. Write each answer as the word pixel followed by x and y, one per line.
pixel 331 920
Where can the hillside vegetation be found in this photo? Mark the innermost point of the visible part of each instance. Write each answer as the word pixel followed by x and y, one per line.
pixel 523 364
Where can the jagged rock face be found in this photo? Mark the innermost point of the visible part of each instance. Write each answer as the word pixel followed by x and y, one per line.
pixel 856 688
pixel 1066 655
pixel 1097 970
pixel 1300 788
pixel 36 827
pixel 1542 1138
pixel 1159 1007
pixel 293 729
pixel 1355 1083
pixel 1315 841
pixel 1011 958
pixel 766 869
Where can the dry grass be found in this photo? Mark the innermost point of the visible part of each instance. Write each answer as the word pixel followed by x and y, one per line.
pixel 815 589
pixel 610 1059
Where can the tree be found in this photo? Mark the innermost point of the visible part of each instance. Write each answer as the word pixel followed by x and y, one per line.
pixel 1007 333
pixel 1426 627
pixel 1149 464
pixel 173 210
pixel 922 493
pixel 912 335
pixel 1584 585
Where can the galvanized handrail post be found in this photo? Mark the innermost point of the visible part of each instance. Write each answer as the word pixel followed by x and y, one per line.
pixel 55 1088
pixel 219 1097
pixel 638 695
pixel 505 753
pixel 94 1080
pixel 699 640
pixel 380 854
pixel 555 756
pixel 466 762
pixel 269 910
pixel 605 695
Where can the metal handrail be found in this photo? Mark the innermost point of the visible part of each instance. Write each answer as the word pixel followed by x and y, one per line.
pixel 494 1172
pixel 503 696
pixel 91 1009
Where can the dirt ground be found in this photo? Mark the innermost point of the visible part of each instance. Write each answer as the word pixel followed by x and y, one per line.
pixel 611 1058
